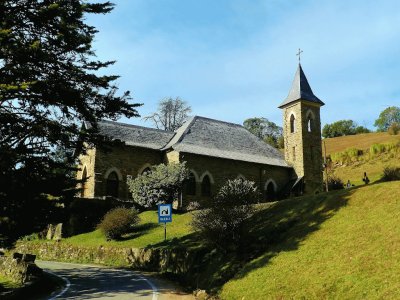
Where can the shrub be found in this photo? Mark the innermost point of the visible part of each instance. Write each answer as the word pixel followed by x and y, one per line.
pixel 390 174
pixel 118 221
pixel 377 149
pixel 221 224
pixel 382 148
pixel 162 184
pixel 394 128
pixel 335 183
pixel 194 205
pixel 348 155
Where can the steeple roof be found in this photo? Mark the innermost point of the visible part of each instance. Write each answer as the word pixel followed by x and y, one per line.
pixel 300 90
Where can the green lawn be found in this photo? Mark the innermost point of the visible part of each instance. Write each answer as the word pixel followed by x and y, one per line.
pixel 374 168
pixel 359 141
pixel 148 232
pixel 341 245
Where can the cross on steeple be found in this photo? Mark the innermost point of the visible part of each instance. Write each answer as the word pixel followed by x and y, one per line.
pixel 299 53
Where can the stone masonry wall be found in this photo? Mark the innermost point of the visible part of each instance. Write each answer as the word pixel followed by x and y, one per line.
pixel 293 140
pixel 303 148
pixel 87 161
pixel 125 160
pixel 312 149
pixel 175 260
pixel 220 170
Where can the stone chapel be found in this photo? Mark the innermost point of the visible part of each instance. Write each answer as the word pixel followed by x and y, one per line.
pixel 215 151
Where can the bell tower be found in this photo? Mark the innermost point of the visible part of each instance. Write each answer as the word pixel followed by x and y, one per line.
pixel 302 133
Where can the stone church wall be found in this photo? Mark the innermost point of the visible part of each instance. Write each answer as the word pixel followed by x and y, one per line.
pixel 87 161
pixel 220 170
pixel 124 160
pixel 127 160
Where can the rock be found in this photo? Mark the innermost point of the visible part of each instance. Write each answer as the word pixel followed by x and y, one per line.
pixel 58 232
pixel 200 294
pixel 17 269
pixel 50 232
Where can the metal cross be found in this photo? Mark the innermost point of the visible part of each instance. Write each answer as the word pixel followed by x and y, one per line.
pixel 298 53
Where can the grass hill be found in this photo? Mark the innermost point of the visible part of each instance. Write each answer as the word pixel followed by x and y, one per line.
pixel 342 245
pixel 355 154
pixel 359 141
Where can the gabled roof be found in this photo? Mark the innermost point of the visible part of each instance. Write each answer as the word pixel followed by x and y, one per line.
pixel 133 135
pixel 215 138
pixel 301 90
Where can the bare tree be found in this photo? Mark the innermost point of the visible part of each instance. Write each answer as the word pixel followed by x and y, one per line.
pixel 171 114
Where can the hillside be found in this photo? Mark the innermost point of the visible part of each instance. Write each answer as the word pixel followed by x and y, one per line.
pixel 359 141
pixel 351 155
pixel 342 245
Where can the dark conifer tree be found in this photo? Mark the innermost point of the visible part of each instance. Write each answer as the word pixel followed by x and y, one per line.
pixel 48 85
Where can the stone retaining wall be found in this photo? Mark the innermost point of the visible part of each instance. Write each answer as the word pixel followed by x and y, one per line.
pixel 19 268
pixel 178 261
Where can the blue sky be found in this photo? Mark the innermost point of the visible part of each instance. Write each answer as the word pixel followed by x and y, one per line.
pixel 235 59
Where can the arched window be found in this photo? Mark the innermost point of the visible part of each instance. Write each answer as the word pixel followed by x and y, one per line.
pixel 206 186
pixel 84 178
pixel 112 184
pixel 310 121
pixel 292 124
pixel 146 170
pixel 310 124
pixel 191 185
pixel 270 192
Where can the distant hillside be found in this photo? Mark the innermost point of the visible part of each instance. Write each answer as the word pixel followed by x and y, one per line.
pixel 340 245
pixel 354 167
pixel 359 141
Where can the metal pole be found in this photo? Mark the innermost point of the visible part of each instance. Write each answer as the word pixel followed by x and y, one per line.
pixel 326 169
pixel 165 231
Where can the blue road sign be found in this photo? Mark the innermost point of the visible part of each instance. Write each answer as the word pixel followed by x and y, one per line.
pixel 164 213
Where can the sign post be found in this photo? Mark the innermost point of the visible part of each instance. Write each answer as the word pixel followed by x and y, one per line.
pixel 165 216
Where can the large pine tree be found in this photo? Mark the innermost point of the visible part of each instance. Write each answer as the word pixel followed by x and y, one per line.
pixel 49 84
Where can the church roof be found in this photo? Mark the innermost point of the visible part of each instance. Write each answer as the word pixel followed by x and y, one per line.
pixel 133 135
pixel 300 90
pixel 220 139
pixel 199 135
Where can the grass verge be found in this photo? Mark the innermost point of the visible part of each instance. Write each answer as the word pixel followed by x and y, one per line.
pixel 352 254
pixel 146 234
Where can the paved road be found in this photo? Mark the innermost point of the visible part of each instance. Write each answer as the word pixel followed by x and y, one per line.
pixel 96 282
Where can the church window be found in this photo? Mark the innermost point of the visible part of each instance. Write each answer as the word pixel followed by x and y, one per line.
pixel 84 179
pixel 270 192
pixel 206 186
pixel 292 124
pixel 112 185
pixel 310 121
pixel 310 124
pixel 191 185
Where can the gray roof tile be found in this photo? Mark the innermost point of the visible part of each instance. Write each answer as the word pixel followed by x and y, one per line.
pixel 201 136
pixel 134 135
pixel 215 138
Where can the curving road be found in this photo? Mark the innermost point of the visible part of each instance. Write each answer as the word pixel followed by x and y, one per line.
pixel 97 282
